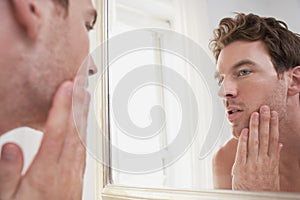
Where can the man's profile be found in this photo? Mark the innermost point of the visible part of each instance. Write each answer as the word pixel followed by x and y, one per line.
pixel 258 69
pixel 42 46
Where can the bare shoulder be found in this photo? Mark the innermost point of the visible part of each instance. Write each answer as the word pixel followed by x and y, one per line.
pixel 222 164
pixel 226 154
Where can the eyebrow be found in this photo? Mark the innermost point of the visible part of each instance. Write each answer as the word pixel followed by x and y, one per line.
pixel 236 66
pixel 243 62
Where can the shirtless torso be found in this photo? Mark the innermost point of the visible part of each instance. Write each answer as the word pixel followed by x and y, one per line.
pixel 224 159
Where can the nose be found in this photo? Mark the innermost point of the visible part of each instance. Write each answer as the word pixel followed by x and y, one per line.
pixel 228 89
pixel 92 66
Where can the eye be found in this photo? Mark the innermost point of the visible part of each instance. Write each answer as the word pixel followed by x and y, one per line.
pixel 244 72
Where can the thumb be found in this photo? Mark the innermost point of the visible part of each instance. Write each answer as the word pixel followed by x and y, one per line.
pixel 11 164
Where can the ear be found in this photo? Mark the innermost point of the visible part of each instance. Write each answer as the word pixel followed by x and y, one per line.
pixel 27 14
pixel 294 85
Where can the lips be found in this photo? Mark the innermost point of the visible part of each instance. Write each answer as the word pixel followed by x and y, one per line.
pixel 233 113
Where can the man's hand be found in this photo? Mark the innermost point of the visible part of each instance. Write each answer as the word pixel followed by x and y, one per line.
pixel 256 164
pixel 58 168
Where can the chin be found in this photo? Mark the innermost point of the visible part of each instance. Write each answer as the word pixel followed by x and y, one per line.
pixel 235 135
pixel 238 126
pixel 236 131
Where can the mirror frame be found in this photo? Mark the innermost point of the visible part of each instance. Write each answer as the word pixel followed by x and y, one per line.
pixel 106 190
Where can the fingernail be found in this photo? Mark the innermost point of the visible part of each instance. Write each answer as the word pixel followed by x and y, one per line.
pixel 68 88
pixel 265 109
pixel 245 132
pixel 274 115
pixel 9 153
pixel 255 116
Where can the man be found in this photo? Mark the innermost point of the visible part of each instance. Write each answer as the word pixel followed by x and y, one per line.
pixel 258 69
pixel 42 46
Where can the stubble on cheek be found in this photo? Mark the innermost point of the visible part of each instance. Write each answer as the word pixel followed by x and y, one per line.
pixel 244 120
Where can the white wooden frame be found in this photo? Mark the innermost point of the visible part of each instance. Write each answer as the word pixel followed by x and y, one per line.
pixel 113 192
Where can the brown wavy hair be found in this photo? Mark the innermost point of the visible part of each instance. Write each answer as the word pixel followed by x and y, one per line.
pixel 282 44
pixel 63 3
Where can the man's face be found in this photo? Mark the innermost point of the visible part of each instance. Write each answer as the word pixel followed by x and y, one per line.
pixel 64 48
pixel 79 21
pixel 248 80
pixel 71 39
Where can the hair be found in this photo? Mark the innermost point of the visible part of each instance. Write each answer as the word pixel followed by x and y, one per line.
pixel 62 7
pixel 282 44
pixel 63 3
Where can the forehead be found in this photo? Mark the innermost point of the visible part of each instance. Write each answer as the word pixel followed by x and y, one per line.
pixel 85 5
pixel 86 2
pixel 239 51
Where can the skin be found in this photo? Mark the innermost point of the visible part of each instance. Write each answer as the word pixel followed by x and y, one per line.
pixel 262 155
pixel 42 46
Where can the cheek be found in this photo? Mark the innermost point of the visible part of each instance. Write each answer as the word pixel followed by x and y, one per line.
pixel 84 42
pixel 84 45
pixel 254 94
pixel 279 100
pixel 84 54
pixel 268 92
pixel 80 50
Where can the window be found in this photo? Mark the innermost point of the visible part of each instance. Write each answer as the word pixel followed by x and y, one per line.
pixel 155 93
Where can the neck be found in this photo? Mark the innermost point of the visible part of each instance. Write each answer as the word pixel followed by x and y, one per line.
pixel 290 132
pixel 9 119
pixel 15 113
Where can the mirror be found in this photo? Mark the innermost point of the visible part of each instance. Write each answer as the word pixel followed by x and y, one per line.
pixel 166 122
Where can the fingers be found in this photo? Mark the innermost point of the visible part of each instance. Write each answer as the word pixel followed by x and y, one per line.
pixel 74 146
pixel 263 134
pixel 253 137
pixel 56 125
pixel 241 154
pixel 80 106
pixel 264 130
pixel 268 131
pixel 60 163
pixel 261 173
pixel 274 146
pixel 11 165
pixel 73 153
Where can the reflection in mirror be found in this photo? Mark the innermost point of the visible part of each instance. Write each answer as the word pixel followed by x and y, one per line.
pixel 156 88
